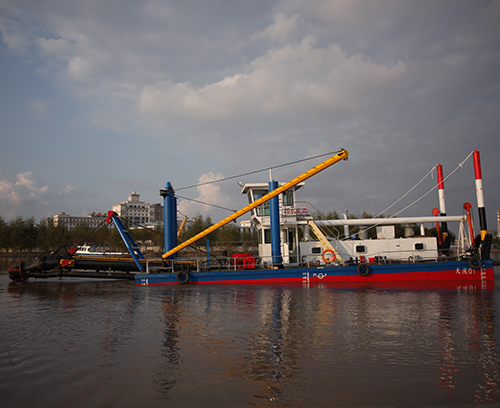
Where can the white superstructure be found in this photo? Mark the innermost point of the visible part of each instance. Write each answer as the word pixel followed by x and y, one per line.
pixel 304 240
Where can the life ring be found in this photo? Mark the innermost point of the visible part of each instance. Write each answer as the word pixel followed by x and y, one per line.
pixel 475 263
pixel 328 260
pixel 363 269
pixel 182 277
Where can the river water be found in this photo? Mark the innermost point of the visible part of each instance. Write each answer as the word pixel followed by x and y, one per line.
pixel 89 343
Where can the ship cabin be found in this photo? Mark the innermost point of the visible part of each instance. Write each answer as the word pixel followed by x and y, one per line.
pixel 301 241
pixel 291 216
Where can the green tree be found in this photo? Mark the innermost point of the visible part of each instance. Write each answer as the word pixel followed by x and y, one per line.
pixel 3 233
pixel 79 234
pixel 229 236
pixel 198 225
pixel 249 237
pixel 22 234
pixel 50 237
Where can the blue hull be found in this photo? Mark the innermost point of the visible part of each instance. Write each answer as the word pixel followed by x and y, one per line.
pixel 412 272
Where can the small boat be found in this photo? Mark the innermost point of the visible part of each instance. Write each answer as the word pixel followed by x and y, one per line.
pixel 94 250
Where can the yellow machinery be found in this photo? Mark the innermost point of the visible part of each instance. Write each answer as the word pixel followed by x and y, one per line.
pixel 341 155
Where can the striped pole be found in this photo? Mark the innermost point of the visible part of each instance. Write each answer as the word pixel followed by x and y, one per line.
pixel 442 205
pixel 479 194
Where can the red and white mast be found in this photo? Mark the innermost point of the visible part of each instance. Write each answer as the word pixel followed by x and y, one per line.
pixel 442 205
pixel 479 194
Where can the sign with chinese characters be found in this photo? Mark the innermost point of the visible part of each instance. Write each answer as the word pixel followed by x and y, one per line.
pixel 295 211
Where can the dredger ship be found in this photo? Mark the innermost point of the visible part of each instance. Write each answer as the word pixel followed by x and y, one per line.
pixel 294 248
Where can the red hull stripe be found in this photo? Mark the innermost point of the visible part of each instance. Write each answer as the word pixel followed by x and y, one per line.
pixel 424 272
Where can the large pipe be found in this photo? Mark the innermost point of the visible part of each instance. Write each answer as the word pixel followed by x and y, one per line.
pixel 390 221
pixel 275 226
pixel 169 217
pixel 442 205
pixel 341 155
pixel 479 194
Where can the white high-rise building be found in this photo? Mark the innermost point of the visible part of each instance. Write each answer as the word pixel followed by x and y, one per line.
pixel 133 210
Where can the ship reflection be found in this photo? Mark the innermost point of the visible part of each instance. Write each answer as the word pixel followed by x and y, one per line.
pixel 272 338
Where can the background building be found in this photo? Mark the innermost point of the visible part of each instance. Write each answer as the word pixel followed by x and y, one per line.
pixel 139 212
pixel 93 220
pixel 156 213
pixel 134 210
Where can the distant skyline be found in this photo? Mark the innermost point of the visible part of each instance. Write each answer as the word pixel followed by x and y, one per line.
pixel 102 98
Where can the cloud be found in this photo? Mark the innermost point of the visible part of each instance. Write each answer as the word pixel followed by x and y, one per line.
pixel 28 192
pixel 39 109
pixel 69 189
pixel 280 31
pixel 250 84
pixel 299 79
pixel 14 35
pixel 210 193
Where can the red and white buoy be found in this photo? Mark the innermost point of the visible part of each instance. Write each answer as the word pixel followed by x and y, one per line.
pixel 442 205
pixel 479 194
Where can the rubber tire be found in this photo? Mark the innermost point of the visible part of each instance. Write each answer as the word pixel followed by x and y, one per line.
pixel 475 263
pixel 182 277
pixel 363 269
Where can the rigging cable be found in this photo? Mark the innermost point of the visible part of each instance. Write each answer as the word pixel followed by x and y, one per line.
pixel 461 164
pixel 257 171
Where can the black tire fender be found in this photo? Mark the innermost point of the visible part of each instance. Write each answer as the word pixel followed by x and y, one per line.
pixel 363 269
pixel 475 263
pixel 182 277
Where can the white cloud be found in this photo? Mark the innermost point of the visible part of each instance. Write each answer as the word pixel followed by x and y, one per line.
pixel 69 189
pixel 265 82
pixel 39 109
pixel 210 193
pixel 14 35
pixel 280 31
pixel 28 192
pixel 296 79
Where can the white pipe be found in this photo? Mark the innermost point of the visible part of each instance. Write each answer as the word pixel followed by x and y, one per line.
pixel 390 221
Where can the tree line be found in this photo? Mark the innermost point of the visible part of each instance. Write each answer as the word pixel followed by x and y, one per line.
pixel 24 234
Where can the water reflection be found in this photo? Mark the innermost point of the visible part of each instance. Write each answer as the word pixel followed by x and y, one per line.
pixel 167 371
pixel 234 345
pixel 285 342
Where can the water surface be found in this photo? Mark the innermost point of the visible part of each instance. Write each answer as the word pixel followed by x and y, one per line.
pixel 89 343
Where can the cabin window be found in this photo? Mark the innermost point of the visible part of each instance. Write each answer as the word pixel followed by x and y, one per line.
pixel 262 209
pixel 360 249
pixel 285 236
pixel 419 246
pixel 288 198
pixel 316 250
pixel 267 236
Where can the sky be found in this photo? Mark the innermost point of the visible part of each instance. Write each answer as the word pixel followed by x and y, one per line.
pixel 100 98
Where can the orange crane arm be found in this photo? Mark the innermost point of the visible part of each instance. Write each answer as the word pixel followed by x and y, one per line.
pixel 341 155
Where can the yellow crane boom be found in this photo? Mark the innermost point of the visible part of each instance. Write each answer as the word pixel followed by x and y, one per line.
pixel 341 155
